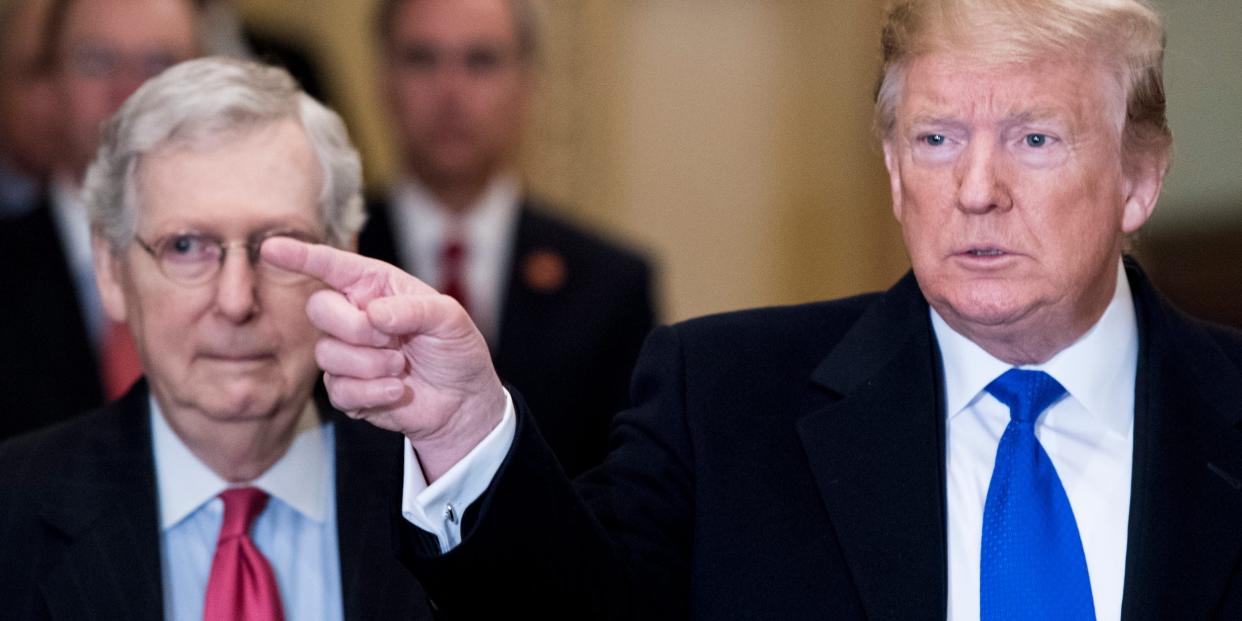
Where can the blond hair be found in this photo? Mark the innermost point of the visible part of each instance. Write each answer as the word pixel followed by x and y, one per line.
pixel 1126 36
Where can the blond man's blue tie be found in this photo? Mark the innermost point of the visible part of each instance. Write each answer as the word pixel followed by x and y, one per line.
pixel 1032 565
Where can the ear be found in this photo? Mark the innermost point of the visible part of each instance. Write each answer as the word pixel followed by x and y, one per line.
pixel 1144 180
pixel 108 278
pixel 893 165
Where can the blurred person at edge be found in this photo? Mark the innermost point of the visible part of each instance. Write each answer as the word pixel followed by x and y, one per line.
pixel 61 354
pixel 27 107
pixel 1021 428
pixel 564 310
pixel 116 513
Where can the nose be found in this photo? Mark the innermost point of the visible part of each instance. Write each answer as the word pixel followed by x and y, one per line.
pixel 236 295
pixel 451 77
pixel 981 186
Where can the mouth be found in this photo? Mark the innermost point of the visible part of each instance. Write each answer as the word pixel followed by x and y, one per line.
pixel 985 252
pixel 237 357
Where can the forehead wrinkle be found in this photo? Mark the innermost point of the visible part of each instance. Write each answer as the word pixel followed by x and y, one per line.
pixel 938 99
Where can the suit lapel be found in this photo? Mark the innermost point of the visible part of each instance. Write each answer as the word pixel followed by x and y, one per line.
pixel 1186 504
pixel 878 457
pixel 107 517
pixel 519 300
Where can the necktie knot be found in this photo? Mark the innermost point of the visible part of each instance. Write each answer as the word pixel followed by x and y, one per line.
pixel 241 506
pixel 1027 393
pixel 453 251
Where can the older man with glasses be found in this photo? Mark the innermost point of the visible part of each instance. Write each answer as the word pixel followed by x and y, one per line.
pixel 218 487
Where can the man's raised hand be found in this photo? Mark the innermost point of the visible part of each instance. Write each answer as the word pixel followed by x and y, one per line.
pixel 397 353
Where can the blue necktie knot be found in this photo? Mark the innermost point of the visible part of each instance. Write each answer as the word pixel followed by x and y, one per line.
pixel 1027 393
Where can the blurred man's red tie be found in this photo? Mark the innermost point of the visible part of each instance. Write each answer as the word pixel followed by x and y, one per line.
pixel 242 586
pixel 119 365
pixel 452 271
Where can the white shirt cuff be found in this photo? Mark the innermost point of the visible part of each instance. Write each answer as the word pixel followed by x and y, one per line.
pixel 437 508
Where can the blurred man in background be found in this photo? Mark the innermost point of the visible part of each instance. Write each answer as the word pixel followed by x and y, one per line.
pixel 564 311
pixel 27 107
pixel 62 355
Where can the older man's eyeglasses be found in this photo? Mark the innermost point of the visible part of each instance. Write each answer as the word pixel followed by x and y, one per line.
pixel 194 259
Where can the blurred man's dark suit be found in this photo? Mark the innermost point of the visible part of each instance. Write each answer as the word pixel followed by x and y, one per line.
pixel 48 366
pixel 569 349
pixel 80 525
pixel 789 463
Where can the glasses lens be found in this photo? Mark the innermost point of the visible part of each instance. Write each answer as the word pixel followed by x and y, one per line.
pixel 189 258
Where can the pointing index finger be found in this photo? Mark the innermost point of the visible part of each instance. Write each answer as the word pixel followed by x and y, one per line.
pixel 339 269
pixel 361 279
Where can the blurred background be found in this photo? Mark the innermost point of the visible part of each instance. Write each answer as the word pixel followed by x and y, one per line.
pixel 731 139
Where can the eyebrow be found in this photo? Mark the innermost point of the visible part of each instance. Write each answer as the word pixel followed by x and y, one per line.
pixel 1023 116
pixel 1037 114
pixel 936 120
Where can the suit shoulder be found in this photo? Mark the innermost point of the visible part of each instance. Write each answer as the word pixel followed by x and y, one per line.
pixel 1227 338
pixel 44 455
pixel 547 228
pixel 820 323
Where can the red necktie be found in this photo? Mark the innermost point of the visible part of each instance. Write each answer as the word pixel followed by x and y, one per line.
pixel 119 364
pixel 242 586
pixel 452 278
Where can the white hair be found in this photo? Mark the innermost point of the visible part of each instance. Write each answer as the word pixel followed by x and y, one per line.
pixel 204 101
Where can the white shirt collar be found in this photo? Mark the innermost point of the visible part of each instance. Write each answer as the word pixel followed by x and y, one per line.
pixel 299 479
pixel 1097 370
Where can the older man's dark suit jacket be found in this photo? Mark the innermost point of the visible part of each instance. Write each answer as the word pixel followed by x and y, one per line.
pixel 789 464
pixel 570 348
pixel 79 521
pixel 48 370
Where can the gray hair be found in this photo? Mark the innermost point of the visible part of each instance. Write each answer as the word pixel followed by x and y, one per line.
pixel 1126 35
pixel 204 101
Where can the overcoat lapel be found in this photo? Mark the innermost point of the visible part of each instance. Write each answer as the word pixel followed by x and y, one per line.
pixel 1185 531
pixel 362 519
pixel 108 522
pixel 878 456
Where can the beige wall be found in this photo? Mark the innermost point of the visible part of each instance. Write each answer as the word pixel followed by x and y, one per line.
pixel 730 138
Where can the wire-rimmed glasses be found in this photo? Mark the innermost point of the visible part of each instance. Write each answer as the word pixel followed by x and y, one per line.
pixel 195 258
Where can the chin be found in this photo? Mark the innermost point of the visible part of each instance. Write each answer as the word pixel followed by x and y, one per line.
pixel 242 399
pixel 987 306
pixel 241 407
